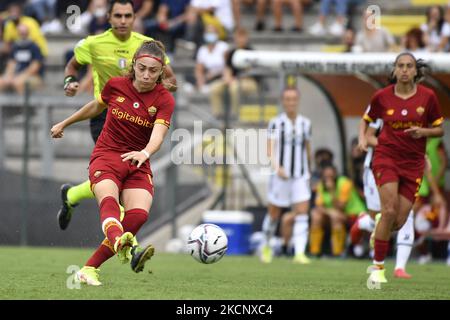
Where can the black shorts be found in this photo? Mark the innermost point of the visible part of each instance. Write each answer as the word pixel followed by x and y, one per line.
pixel 96 125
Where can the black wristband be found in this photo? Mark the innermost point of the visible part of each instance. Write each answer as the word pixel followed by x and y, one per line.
pixel 68 80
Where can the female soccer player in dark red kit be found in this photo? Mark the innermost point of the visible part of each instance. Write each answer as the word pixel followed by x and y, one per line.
pixel 410 113
pixel 138 117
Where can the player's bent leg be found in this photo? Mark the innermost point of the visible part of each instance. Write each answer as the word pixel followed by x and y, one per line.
pixel 64 214
pixel 107 193
pixel 389 201
pixel 269 228
pixel 140 200
pixel 104 252
pixel 80 192
pixel 71 197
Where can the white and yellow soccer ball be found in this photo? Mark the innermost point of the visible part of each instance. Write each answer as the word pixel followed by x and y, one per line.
pixel 207 243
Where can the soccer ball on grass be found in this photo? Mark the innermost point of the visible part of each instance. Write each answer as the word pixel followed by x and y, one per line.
pixel 207 243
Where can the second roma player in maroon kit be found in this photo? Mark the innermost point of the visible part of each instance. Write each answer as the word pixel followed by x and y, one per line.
pixel 138 117
pixel 410 113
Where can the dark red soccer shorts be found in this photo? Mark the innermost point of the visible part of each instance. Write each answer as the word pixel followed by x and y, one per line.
pixel 409 180
pixel 124 174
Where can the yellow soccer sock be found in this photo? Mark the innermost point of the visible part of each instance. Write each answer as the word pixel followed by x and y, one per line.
pixel 315 240
pixel 338 240
pixel 80 192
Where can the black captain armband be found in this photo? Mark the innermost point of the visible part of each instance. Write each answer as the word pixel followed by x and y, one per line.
pixel 68 80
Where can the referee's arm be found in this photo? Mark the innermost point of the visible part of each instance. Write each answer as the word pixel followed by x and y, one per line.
pixel 71 83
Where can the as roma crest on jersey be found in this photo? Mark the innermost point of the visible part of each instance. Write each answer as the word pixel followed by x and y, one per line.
pixel 390 112
pixel 152 110
pixel 420 110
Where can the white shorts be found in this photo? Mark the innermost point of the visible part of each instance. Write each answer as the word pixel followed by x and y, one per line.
pixel 284 193
pixel 371 191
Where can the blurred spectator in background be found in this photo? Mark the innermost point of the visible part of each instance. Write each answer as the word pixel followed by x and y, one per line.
pixel 338 200
pixel 93 20
pixel 232 77
pixel 260 23
pixel 297 12
pixel 41 10
pixel 372 39
pixel 322 157
pixel 348 39
pixel 170 22
pixel 354 7
pixel 11 33
pixel 44 11
pixel 413 41
pixel 4 4
pixel 297 7
pixel 145 8
pixel 338 27
pixel 432 29
pixel 444 45
pixel 209 12
pixel 3 49
pixel 25 64
pixel 210 61
pixel 99 20
pixel 62 14
pixel 145 11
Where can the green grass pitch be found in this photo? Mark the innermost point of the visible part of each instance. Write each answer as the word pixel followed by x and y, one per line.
pixel 41 273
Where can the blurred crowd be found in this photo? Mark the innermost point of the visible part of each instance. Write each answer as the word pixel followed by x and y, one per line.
pixel 211 29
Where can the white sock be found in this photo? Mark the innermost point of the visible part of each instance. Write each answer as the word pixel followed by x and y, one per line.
pixel 269 227
pixel 300 233
pixel 365 222
pixel 405 240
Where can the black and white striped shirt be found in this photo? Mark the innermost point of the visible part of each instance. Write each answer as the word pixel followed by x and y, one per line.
pixel 290 144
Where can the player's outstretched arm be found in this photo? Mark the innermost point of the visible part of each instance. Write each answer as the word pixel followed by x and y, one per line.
pixel 88 111
pixel 156 140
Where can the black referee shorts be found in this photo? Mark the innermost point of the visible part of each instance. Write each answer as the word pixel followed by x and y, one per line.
pixel 96 125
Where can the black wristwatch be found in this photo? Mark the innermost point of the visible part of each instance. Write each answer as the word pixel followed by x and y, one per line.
pixel 68 80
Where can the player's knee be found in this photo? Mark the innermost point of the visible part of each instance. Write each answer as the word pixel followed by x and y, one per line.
pixel 288 218
pixel 390 214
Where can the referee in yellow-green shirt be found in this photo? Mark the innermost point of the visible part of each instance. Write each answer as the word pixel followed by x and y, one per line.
pixel 110 55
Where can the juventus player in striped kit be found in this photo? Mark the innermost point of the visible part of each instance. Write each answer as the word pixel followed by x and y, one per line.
pixel 290 153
